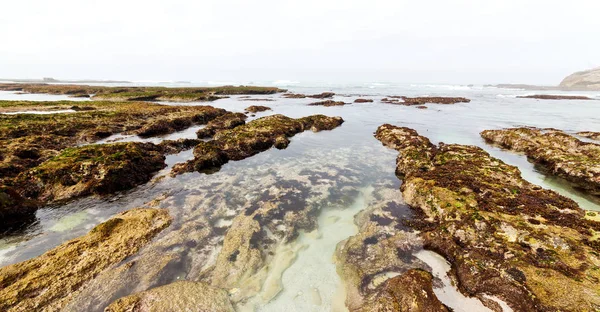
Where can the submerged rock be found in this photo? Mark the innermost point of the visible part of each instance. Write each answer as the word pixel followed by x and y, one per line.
pixel 328 103
pixel 252 138
pixel 504 236
pixel 178 296
pixel 554 97
pixel 48 282
pixel 563 155
pixel 223 122
pixel 256 109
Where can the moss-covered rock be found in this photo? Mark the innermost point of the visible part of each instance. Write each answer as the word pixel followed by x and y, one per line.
pixel 324 95
pixel 140 93
pixel 223 122
pixel 252 138
pixel 410 101
pixel 178 296
pixel 256 109
pixel 410 292
pixel 563 155
pixel 92 169
pixel 504 236
pixel 48 282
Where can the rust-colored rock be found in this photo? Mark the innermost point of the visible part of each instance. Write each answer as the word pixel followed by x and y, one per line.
pixel 554 97
pixel 328 103
pixel 256 109
pixel 363 101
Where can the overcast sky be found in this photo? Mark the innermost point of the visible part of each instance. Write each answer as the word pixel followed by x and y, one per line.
pixel 431 41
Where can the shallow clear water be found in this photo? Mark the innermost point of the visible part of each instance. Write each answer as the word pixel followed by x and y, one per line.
pixel 320 167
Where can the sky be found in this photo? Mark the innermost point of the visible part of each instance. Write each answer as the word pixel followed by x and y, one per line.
pixel 428 41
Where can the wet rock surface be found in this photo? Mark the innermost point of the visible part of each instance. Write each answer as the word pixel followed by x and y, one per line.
pixel 252 138
pixel 561 154
pixel 328 103
pixel 178 296
pixel 590 135
pixel 554 97
pixel 324 95
pixel 411 291
pixel 504 236
pixel 363 101
pixel 50 281
pixel 139 93
pixel 410 101
pixel 92 169
pixel 223 122
pixel 256 109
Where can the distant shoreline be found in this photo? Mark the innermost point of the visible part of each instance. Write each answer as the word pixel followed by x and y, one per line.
pixel 52 80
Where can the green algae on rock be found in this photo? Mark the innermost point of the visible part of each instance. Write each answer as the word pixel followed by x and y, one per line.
pixel 252 138
pixel 504 236
pixel 223 122
pixel 324 95
pixel 256 109
pixel 410 292
pixel 563 155
pixel 178 296
pixel 140 93
pixel 92 169
pixel 48 282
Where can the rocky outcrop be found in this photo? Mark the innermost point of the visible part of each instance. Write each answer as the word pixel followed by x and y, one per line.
pixel 223 122
pixel 504 236
pixel 363 101
pixel 409 101
pixel 590 135
pixel 563 155
pixel 92 169
pixel 554 97
pixel 140 93
pixel 256 109
pixel 48 282
pixel 324 95
pixel 328 103
pixel 410 292
pixel 583 80
pixel 178 296
pixel 252 138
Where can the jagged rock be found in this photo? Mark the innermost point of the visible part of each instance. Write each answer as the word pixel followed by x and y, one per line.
pixel 223 122
pixel 48 282
pixel 252 138
pixel 554 97
pixel 410 292
pixel 504 236
pixel 256 109
pixel 563 155
pixel 178 296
